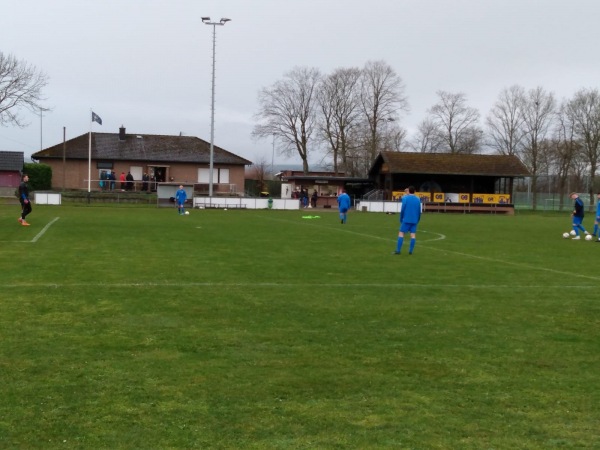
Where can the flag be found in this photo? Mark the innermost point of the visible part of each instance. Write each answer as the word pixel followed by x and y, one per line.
pixel 96 118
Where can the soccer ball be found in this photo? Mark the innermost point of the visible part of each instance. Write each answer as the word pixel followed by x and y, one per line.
pixel 187 213
pixel 573 233
pixel 589 237
pixel 566 235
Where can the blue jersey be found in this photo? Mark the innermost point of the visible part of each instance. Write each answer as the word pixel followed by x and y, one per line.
pixel 578 208
pixel 598 209
pixel 411 209
pixel 343 202
pixel 180 196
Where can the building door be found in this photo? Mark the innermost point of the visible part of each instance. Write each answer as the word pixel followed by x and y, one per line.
pixel 160 174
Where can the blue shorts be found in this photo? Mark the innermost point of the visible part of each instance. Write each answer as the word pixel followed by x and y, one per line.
pixel 408 227
pixel 577 220
pixel 343 210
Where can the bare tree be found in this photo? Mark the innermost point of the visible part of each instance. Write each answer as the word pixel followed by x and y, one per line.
pixel 505 121
pixel 288 112
pixel 393 137
pixel 538 113
pixel 358 160
pixel 427 138
pixel 382 97
pixel 456 123
pixel 259 173
pixel 584 113
pixel 565 150
pixel 339 105
pixel 20 87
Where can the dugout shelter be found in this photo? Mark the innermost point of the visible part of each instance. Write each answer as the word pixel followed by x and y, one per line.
pixel 450 182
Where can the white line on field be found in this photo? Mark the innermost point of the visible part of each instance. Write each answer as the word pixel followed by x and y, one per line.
pixel 346 230
pixel 37 236
pixel 516 264
pixel 288 285
pixel 466 255
pixel 41 233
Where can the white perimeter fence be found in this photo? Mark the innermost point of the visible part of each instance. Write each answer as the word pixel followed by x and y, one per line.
pixel 245 203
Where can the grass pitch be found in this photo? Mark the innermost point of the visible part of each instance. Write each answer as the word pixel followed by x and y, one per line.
pixel 138 328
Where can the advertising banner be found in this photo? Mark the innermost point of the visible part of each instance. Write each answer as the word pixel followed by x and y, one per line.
pixel 491 198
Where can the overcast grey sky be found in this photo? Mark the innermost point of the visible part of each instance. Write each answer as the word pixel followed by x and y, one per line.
pixel 146 64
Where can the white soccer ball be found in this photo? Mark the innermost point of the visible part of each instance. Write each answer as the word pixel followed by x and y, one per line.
pixel 566 235
pixel 187 213
pixel 589 237
pixel 573 233
pixel 224 209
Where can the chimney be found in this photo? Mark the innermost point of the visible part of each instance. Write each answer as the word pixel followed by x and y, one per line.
pixel 122 133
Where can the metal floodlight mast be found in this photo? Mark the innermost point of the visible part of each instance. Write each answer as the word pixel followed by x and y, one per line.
pixel 206 21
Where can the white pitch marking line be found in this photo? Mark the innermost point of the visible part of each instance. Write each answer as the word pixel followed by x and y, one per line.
pixel 517 264
pixel 288 285
pixel 467 255
pixel 41 233
pixel 344 230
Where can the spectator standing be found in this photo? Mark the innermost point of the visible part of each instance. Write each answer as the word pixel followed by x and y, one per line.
pixel 145 179
pixel 129 179
pixel 103 183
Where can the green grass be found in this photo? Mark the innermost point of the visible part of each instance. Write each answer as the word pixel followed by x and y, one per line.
pixel 129 327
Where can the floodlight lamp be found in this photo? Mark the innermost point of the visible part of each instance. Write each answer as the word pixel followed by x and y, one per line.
pixel 205 19
pixel 223 20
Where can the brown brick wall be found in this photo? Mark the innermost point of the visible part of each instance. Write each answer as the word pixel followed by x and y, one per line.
pixel 76 173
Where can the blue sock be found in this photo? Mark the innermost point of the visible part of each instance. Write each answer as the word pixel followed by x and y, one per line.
pixel 595 229
pixel 399 244
pixel 412 245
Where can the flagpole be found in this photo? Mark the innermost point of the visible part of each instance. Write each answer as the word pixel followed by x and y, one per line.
pixel 90 155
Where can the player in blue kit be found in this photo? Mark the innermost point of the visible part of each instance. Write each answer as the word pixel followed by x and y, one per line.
pixel 410 215
pixel 577 214
pixel 343 205
pixel 180 198
pixel 597 221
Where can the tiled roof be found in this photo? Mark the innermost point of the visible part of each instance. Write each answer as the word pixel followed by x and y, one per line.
pixel 452 164
pixel 12 161
pixel 142 147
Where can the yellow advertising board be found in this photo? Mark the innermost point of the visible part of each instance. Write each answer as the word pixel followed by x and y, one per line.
pixel 491 198
pixel 446 197
pixel 424 196
pixel 397 195
pixel 441 197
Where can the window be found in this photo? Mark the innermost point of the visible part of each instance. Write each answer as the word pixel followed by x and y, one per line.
pixel 203 176
pixel 220 176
